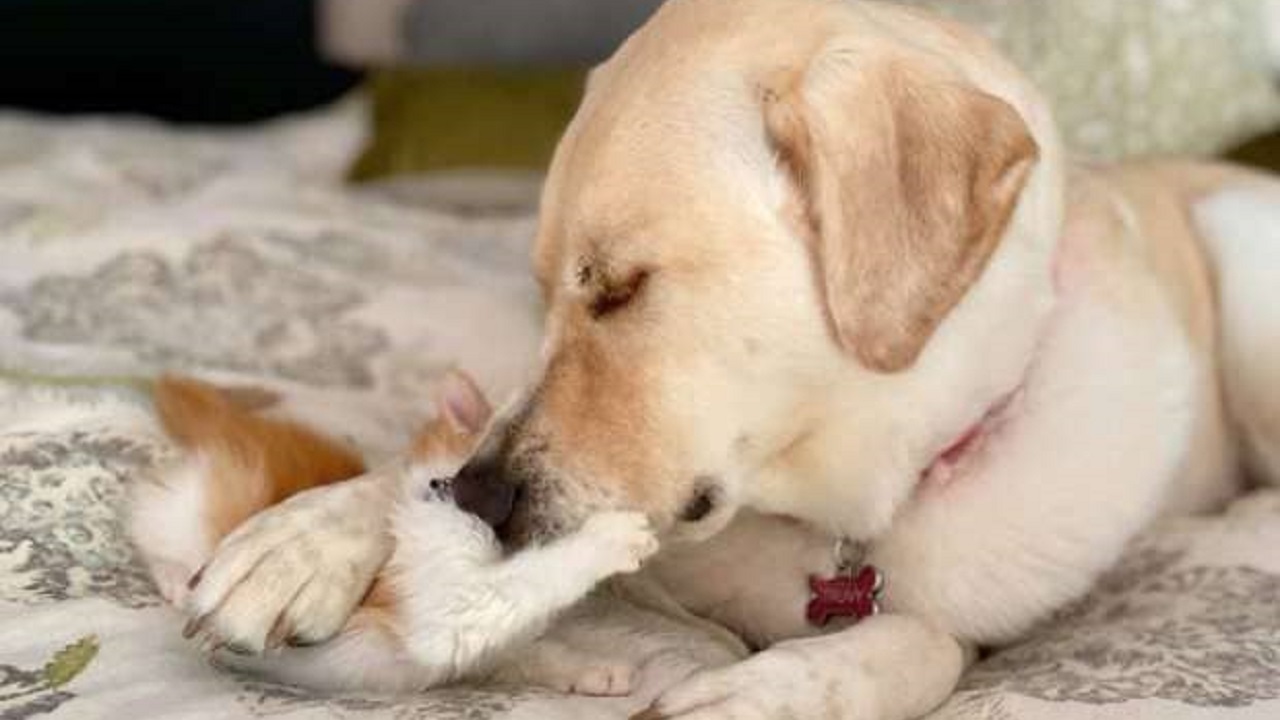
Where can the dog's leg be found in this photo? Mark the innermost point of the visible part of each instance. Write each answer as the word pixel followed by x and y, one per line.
pixel 568 668
pixel 887 667
pixel 296 571
pixel 1242 232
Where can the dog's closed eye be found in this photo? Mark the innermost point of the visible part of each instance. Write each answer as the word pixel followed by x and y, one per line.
pixel 613 296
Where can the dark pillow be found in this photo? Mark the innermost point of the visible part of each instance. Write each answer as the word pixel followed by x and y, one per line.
pixel 187 60
pixel 1263 152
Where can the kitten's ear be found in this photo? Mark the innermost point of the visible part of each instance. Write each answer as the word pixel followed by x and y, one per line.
pixel 461 402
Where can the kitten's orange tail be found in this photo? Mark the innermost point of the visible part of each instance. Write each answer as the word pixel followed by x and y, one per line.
pixel 236 463
pixel 251 461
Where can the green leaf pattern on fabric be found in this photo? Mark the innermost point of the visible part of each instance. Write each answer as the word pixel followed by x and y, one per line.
pixel 28 693
pixel 70 661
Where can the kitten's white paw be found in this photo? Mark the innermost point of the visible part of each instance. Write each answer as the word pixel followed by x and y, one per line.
pixel 623 540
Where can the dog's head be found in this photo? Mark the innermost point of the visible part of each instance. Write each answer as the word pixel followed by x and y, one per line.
pixel 753 230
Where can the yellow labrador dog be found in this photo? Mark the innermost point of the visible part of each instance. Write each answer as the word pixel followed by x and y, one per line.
pixel 827 260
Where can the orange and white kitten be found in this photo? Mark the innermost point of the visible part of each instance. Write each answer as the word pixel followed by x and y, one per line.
pixel 445 604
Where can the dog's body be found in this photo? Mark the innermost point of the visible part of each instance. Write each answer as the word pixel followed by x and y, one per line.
pixel 828 261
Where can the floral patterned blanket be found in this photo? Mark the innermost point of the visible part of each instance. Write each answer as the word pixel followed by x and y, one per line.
pixel 127 248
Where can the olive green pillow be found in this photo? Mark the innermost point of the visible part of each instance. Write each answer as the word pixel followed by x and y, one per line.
pixel 442 119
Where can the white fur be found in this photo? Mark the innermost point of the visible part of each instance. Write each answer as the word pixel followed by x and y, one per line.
pixel 1242 231
pixel 888 666
pixel 365 659
pixel 1016 519
pixel 167 523
pixel 464 605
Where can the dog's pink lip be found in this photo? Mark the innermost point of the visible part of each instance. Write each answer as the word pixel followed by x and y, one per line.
pixel 946 466
pixel 957 449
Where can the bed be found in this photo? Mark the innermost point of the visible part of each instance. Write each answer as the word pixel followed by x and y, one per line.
pixel 128 248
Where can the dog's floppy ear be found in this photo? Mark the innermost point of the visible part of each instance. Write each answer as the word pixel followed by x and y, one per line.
pixel 907 182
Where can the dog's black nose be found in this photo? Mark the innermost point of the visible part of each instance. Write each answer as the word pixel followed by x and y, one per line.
pixel 482 489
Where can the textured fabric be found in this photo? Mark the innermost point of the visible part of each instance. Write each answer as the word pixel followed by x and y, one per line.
pixel 1142 77
pixel 128 248
pixel 1187 626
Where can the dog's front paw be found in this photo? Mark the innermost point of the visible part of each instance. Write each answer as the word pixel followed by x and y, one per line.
pixel 622 540
pixel 291 574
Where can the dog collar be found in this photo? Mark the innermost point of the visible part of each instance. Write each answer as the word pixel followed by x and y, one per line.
pixel 853 592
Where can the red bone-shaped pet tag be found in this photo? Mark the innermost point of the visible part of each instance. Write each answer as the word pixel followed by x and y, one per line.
pixel 853 595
